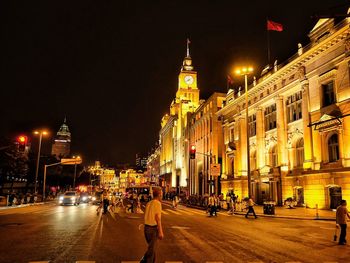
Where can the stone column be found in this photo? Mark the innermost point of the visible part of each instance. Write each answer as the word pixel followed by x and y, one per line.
pixel 281 132
pixel 237 161
pixel 260 138
pixel 243 145
pixel 307 133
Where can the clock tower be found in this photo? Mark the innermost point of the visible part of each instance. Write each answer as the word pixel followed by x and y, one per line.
pixel 187 83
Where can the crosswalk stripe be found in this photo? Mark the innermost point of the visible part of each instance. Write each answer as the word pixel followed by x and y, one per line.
pixel 172 211
pixel 185 212
pixel 198 212
pixel 165 213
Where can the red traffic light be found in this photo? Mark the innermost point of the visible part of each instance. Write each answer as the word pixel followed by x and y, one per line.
pixel 22 139
pixel 193 152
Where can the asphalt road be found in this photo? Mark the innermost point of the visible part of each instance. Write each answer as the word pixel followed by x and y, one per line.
pixel 53 233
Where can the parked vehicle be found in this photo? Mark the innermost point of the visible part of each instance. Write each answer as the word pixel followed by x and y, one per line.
pixel 69 198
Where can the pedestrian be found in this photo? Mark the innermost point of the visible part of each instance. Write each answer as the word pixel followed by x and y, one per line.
pixel 153 226
pixel 211 204
pixel 228 202
pixel 341 220
pixel 251 208
pixel 216 204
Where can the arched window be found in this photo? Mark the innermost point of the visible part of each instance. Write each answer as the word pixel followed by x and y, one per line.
pixel 274 156
pixel 299 153
pixel 333 148
pixel 252 160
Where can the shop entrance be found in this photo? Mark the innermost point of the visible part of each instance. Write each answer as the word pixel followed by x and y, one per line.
pixel 335 196
pixel 298 195
pixel 263 192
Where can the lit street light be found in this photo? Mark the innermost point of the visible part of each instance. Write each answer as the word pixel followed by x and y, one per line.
pixel 77 160
pixel 245 71
pixel 40 133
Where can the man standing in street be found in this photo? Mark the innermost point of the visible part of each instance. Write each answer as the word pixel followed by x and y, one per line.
pixel 250 208
pixel 153 226
pixel 341 219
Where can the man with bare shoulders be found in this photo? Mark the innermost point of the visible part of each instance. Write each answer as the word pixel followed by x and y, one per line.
pixel 153 226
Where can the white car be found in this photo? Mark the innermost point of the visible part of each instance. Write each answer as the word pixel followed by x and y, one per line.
pixel 69 198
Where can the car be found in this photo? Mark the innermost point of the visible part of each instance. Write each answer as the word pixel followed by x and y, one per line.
pixel 69 198
pixel 97 198
pixel 85 197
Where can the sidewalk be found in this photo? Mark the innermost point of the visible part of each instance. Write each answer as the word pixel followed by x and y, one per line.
pixel 300 213
pixel 23 205
pixel 295 213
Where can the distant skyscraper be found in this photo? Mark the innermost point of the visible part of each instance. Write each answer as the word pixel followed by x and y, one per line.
pixel 61 146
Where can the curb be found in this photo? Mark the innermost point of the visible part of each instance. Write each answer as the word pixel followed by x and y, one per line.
pixel 271 216
pixel 291 217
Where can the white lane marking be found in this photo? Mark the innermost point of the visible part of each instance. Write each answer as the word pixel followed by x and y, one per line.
pixel 165 213
pixel 172 211
pixel 198 212
pixel 185 212
pixel 180 227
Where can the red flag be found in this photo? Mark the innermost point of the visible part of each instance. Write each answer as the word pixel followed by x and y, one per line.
pixel 274 26
pixel 229 80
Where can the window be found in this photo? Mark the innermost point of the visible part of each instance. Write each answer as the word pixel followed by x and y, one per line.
pixel 253 161
pixel 328 94
pixel 274 156
pixel 294 107
pixel 299 153
pixel 270 117
pixel 252 125
pixel 333 148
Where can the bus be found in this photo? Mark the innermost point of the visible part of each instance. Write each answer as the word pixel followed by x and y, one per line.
pixel 146 191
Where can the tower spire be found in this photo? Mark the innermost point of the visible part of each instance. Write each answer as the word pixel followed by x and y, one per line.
pixel 188 47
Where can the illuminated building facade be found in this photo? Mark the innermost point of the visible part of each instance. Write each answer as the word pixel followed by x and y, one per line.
pixel 61 146
pixel 205 133
pixel 299 126
pixel 173 162
pixel 153 166
pixel 108 178
pixel 130 178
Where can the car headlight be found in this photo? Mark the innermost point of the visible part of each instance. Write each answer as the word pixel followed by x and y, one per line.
pixel 61 198
pixel 72 198
pixel 94 198
pixel 84 198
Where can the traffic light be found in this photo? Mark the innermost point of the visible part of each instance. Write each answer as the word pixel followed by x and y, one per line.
pixel 193 152
pixel 22 142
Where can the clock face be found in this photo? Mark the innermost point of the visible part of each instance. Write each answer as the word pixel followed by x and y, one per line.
pixel 188 79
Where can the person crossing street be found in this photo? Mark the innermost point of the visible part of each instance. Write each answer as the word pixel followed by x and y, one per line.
pixel 251 208
pixel 153 226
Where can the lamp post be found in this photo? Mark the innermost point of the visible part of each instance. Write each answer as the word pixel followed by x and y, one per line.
pixel 245 71
pixel 77 159
pixel 40 133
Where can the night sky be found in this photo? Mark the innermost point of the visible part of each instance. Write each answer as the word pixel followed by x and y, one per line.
pixel 111 67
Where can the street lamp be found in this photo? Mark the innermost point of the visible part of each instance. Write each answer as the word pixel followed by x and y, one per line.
pixel 245 71
pixel 40 133
pixel 77 159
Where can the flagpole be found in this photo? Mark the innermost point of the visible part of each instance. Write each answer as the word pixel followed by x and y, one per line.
pixel 268 42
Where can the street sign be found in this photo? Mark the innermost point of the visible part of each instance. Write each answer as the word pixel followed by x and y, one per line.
pixel 215 169
pixel 71 161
